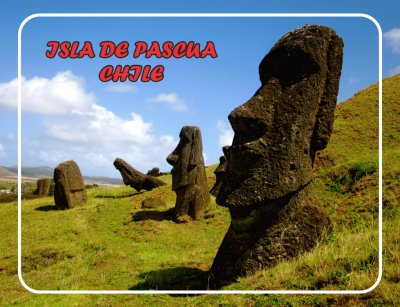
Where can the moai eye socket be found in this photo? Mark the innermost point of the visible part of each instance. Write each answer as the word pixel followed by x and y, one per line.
pixel 289 66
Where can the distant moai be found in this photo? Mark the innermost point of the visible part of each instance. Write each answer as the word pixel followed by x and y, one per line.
pixel 269 167
pixel 155 171
pixel 136 179
pixel 69 188
pixel 189 179
pixel 45 187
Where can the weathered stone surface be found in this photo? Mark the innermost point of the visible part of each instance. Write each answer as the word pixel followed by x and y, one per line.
pixel 219 173
pixel 69 188
pixel 270 164
pixel 155 171
pixel 188 175
pixel 136 179
pixel 153 202
pixel 45 187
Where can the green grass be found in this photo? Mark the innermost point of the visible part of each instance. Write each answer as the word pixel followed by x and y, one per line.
pixel 111 243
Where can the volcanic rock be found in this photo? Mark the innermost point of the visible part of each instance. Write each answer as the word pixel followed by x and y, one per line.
pixel 69 188
pixel 136 179
pixel 189 179
pixel 269 166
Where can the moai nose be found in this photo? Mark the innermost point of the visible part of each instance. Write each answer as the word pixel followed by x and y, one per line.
pixel 172 158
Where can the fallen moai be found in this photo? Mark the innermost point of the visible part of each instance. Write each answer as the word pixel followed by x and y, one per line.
pixel 136 179
pixel 189 176
pixel 69 188
pixel 269 167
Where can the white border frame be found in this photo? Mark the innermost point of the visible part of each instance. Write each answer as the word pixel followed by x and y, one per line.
pixel 196 15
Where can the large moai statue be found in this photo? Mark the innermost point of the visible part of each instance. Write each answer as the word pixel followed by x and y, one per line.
pixel 136 179
pixel 269 167
pixel 69 187
pixel 44 187
pixel 189 179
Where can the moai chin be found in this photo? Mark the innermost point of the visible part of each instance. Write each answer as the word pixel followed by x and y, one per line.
pixel 219 173
pixel 69 187
pixel 189 179
pixel 269 166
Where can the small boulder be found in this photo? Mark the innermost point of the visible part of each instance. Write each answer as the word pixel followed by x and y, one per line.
pixel 153 202
pixel 155 171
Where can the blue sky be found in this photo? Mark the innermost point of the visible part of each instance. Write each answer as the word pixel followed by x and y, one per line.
pixel 70 114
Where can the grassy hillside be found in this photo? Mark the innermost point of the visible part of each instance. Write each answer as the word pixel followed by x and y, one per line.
pixel 111 243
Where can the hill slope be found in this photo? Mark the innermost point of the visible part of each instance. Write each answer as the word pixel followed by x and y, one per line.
pixel 5 173
pixel 111 243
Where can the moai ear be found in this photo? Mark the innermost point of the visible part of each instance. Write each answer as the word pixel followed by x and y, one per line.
pixel 325 116
pixel 195 149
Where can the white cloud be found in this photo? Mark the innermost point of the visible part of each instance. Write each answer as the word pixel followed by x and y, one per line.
pixel 62 94
pixel 10 136
pixel 2 151
pixel 352 81
pixel 96 137
pixel 205 158
pixel 171 100
pixel 392 37
pixel 76 127
pixel 395 70
pixel 122 88
pixel 225 134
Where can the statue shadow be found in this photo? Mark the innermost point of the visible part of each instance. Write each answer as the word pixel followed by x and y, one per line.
pixel 46 208
pixel 154 215
pixel 118 196
pixel 179 278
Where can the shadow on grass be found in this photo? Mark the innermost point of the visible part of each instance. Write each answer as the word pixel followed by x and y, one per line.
pixel 118 196
pixel 46 208
pixel 153 215
pixel 180 278
pixel 8 198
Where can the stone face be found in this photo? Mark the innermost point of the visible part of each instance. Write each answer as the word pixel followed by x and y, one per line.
pixel 136 179
pixel 155 171
pixel 219 173
pixel 45 187
pixel 269 166
pixel 153 202
pixel 188 174
pixel 69 188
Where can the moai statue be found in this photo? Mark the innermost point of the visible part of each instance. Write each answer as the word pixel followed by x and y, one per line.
pixel 45 187
pixel 219 173
pixel 155 171
pixel 136 179
pixel 269 167
pixel 189 176
pixel 69 188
